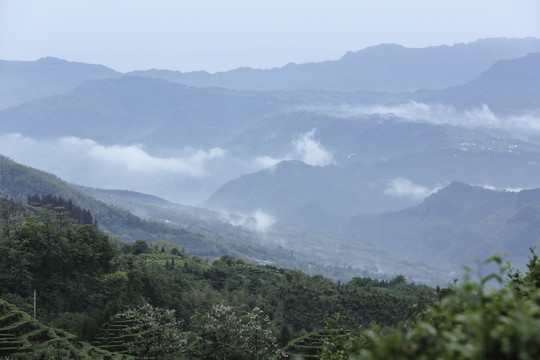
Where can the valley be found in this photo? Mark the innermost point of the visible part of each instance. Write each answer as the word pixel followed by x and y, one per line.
pixel 362 187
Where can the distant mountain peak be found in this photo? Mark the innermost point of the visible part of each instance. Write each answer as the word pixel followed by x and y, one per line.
pixel 66 64
pixel 458 186
pixel 457 189
pixel 51 59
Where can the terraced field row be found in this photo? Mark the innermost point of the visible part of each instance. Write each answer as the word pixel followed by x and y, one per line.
pixel 22 337
pixel 307 346
pixel 113 337
pixel 250 270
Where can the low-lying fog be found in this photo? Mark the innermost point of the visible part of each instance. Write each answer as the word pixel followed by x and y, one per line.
pixel 187 175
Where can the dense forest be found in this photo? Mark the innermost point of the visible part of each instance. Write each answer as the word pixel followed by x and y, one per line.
pixel 99 298
pixel 82 216
pixel 83 279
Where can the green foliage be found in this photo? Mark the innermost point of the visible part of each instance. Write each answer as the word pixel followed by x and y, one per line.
pixel 138 247
pixel 482 319
pixel 22 337
pixel 306 346
pixel 525 284
pixel 62 261
pixel 338 343
pixel 83 278
pixel 82 216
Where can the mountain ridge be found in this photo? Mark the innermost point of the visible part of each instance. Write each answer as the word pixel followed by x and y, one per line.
pixel 27 80
pixel 455 224
pixel 368 69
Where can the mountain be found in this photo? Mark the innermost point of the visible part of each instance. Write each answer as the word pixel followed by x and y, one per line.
pixel 509 86
pixel 457 224
pixel 163 115
pixel 28 80
pixel 338 257
pixel 208 234
pixel 384 68
pixel 380 164
pixel 381 68
pixel 337 153
pixel 319 197
pixel 368 152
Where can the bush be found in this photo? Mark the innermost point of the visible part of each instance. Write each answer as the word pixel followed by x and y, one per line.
pixel 474 321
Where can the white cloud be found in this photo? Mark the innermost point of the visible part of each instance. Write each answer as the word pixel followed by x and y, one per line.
pixel 259 220
pixel 401 187
pixel 183 177
pixel 263 220
pixel 267 162
pixel 311 151
pixel 494 188
pixel 130 158
pixel 480 117
pixel 305 148
pixel 440 114
pixel 134 158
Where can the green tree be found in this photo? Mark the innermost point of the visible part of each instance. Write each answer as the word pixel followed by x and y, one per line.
pixel 338 343
pixel 284 335
pixel 474 321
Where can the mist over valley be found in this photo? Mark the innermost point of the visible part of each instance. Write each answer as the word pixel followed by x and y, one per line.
pixel 269 180
pixel 268 151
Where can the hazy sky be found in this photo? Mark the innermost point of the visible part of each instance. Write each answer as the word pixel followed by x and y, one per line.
pixel 217 35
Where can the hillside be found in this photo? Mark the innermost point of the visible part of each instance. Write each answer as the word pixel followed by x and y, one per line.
pixel 509 86
pixel 18 182
pixel 457 224
pixel 84 280
pixel 335 256
pixel 208 234
pixel 291 191
pixel 22 336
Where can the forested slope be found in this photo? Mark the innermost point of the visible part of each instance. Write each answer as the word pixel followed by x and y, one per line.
pixel 83 278
pixel 457 223
pixel 18 182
